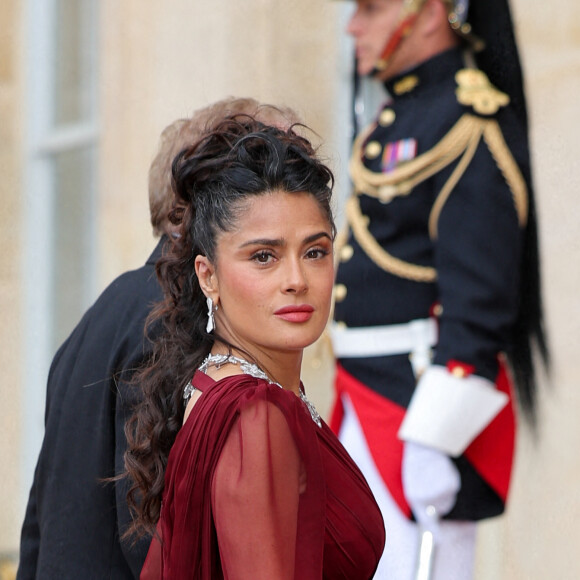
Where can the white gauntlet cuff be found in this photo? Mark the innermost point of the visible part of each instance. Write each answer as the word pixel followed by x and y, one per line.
pixel 448 413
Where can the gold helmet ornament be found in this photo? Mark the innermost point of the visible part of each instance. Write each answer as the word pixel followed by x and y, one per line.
pixel 457 15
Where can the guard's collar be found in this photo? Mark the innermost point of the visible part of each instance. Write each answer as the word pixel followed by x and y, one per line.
pixel 439 68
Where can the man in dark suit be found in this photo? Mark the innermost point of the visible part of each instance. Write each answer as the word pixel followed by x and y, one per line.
pixel 74 520
pixel 437 295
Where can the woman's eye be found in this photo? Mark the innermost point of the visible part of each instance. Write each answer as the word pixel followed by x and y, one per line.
pixel 262 257
pixel 316 253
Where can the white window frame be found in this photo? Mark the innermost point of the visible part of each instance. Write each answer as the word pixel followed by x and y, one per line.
pixel 42 143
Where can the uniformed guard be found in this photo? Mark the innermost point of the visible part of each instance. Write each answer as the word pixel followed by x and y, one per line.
pixel 437 295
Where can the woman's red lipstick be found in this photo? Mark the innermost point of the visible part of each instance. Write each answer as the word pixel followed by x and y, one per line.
pixel 295 313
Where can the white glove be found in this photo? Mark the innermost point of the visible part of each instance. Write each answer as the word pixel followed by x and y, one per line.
pixel 430 483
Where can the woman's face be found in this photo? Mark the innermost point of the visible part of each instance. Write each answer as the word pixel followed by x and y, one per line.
pixel 273 274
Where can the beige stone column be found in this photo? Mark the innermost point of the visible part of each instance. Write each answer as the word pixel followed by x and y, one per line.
pixel 11 288
pixel 540 534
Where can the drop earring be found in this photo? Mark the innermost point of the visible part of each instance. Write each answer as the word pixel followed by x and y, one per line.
pixel 210 319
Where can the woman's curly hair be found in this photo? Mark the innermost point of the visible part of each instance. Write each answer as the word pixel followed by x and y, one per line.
pixel 239 158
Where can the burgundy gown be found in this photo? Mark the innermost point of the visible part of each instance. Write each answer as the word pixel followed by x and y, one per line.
pixel 255 489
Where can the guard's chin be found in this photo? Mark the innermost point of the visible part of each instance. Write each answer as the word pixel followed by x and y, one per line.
pixel 381 74
pixel 363 71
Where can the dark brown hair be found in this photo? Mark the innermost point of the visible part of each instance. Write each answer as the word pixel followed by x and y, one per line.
pixel 183 132
pixel 240 158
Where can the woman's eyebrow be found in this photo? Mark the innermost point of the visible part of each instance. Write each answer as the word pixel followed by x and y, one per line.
pixel 317 236
pixel 263 242
pixel 281 242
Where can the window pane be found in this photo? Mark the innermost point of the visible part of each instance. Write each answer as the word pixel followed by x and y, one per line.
pixel 74 61
pixel 73 227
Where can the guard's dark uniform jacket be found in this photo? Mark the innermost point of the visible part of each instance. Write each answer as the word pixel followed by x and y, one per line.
pixel 435 227
pixel 73 520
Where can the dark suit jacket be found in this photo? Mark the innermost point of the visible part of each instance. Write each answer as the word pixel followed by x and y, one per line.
pixel 73 520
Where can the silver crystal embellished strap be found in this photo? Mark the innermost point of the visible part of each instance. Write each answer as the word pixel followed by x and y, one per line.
pixel 248 368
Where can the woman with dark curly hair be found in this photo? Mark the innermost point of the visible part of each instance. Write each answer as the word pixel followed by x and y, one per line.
pixel 233 470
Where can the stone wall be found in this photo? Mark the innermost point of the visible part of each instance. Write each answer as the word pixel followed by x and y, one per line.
pixel 536 539
pixel 163 63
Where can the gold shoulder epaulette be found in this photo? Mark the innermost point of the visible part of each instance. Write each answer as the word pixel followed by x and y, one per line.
pixel 474 90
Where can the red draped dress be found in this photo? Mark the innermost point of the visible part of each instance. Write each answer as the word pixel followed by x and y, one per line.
pixel 255 489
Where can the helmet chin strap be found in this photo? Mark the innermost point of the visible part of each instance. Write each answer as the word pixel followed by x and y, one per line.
pixel 409 13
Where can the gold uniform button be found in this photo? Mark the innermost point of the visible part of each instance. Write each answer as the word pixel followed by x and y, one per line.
pixel 346 253
pixel 340 292
pixel 373 150
pixel 458 372
pixel 387 117
pixel 340 325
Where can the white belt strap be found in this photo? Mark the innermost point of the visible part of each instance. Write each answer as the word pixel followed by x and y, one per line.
pixel 416 337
